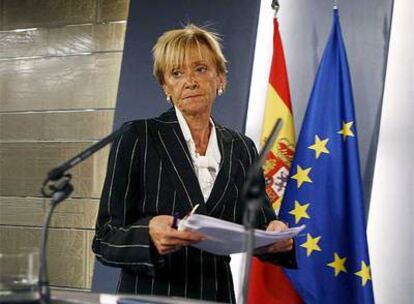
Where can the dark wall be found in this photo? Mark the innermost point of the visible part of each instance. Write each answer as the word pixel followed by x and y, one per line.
pixel 139 95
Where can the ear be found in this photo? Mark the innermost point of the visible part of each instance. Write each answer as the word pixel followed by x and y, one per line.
pixel 222 81
pixel 165 89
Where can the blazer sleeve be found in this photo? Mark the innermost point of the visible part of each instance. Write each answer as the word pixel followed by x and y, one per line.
pixel 265 215
pixel 121 235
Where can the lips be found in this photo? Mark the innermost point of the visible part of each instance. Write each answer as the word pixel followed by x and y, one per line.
pixel 192 96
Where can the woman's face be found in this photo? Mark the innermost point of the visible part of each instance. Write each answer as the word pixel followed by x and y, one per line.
pixel 193 86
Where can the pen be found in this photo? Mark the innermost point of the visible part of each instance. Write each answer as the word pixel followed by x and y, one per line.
pixel 175 220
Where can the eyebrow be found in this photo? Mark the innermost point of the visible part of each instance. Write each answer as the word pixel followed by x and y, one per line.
pixel 202 61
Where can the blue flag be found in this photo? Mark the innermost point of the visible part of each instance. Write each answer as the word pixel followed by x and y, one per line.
pixel 324 190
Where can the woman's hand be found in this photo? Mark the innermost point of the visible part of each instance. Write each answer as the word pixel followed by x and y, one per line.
pixel 167 239
pixel 279 246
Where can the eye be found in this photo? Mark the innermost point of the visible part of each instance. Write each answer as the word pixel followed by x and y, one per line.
pixel 176 73
pixel 201 68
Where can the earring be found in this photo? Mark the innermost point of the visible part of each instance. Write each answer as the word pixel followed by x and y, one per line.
pixel 168 97
pixel 220 91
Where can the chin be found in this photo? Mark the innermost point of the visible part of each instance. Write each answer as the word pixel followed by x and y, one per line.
pixel 194 107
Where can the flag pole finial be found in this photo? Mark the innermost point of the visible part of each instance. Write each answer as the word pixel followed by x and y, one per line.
pixel 275 6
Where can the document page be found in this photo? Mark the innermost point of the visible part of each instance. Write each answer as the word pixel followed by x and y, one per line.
pixel 224 238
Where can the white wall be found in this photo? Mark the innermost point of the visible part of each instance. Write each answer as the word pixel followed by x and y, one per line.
pixel 258 91
pixel 390 228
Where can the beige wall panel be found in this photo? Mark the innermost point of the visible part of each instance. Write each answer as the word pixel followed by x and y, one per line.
pixel 30 211
pixel 87 38
pixel 45 13
pixel 68 252
pixel 62 41
pixel 70 82
pixel 14 239
pixel 25 43
pixel 21 211
pixel 23 167
pixel 112 10
pixel 90 260
pixel 85 125
pixel 1 14
pixel 69 260
pixel 109 36
pixel 76 213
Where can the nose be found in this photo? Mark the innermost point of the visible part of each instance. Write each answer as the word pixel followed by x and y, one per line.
pixel 191 82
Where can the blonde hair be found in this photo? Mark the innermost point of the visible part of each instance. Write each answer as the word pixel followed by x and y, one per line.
pixel 172 49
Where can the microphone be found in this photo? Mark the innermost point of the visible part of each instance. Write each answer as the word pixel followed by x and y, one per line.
pixel 57 186
pixel 252 195
pixel 52 181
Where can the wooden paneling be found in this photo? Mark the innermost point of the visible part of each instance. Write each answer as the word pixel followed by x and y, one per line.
pixel 23 167
pixel 69 253
pixel 30 211
pixel 21 211
pixel 1 14
pixel 90 261
pixel 70 82
pixel 42 13
pixel 62 41
pixel 109 37
pixel 110 10
pixel 87 38
pixel 31 42
pixel 58 85
pixel 78 125
pixel 76 213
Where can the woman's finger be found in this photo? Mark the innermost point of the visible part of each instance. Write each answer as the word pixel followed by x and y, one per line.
pixel 276 226
pixel 190 236
pixel 281 246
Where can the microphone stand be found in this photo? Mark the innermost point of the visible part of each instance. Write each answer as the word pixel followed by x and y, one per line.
pixel 62 192
pixel 57 186
pixel 252 194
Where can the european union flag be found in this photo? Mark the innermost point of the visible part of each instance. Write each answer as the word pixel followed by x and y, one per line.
pixel 324 190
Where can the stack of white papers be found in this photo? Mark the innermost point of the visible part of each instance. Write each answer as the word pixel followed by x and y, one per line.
pixel 224 238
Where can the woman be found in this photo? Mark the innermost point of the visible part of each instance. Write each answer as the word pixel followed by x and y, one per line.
pixel 169 164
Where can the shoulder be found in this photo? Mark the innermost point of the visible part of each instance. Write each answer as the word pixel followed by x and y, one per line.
pixel 134 128
pixel 243 145
pixel 142 126
pixel 237 137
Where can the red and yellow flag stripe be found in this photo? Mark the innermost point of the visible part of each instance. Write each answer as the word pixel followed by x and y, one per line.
pixel 278 105
pixel 268 283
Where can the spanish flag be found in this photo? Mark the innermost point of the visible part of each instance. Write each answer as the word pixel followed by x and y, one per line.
pixel 268 283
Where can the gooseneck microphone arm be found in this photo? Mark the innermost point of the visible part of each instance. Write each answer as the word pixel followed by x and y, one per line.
pixel 59 171
pixel 252 194
pixel 57 186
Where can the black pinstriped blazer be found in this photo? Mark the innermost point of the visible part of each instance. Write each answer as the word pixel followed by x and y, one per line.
pixel 150 172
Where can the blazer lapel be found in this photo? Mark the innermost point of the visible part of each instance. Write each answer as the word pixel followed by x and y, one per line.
pixel 171 145
pixel 221 185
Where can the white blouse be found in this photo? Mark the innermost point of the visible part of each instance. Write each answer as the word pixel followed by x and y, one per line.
pixel 206 167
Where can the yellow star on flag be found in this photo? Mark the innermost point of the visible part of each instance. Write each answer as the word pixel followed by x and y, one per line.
pixel 364 273
pixel 301 175
pixel 299 211
pixel 346 129
pixel 319 146
pixel 311 244
pixel 338 264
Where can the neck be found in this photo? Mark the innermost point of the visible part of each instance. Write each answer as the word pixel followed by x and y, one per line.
pixel 200 130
